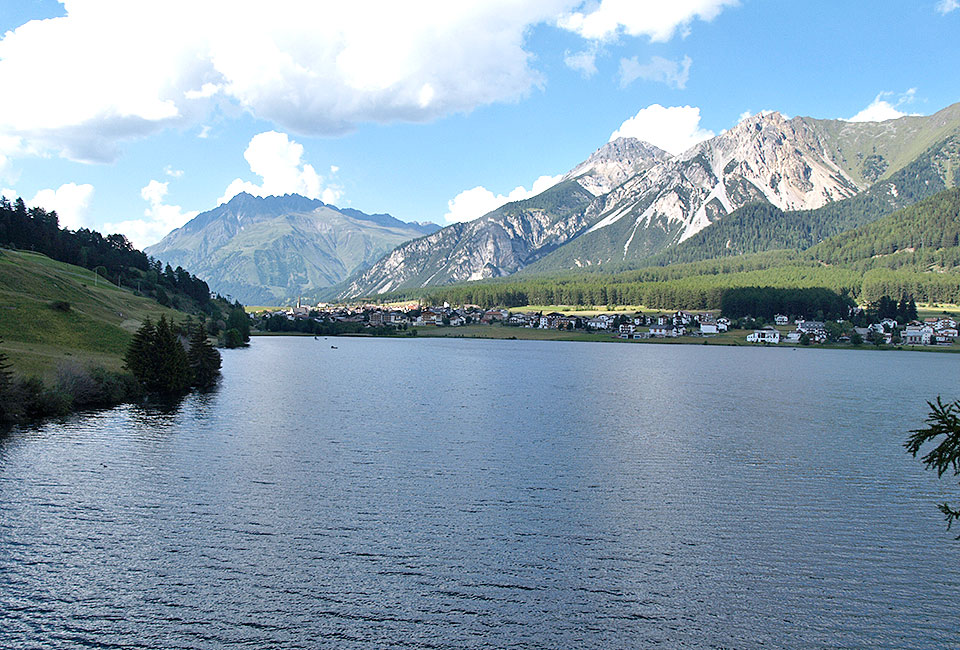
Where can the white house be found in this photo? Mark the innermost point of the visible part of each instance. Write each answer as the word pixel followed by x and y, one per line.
pixel 811 326
pixel 780 319
pixel 598 323
pixel 709 328
pixel 917 335
pixel 764 336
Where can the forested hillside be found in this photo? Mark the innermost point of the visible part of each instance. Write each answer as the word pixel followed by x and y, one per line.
pixel 924 236
pixel 80 295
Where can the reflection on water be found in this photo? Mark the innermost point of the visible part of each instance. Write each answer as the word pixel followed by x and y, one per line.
pixel 453 494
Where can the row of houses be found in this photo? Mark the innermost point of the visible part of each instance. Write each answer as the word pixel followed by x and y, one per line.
pixel 932 331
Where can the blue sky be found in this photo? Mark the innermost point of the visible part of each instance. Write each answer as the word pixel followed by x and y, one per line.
pixel 133 117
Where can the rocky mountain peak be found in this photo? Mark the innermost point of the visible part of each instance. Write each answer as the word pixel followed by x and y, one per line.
pixel 615 162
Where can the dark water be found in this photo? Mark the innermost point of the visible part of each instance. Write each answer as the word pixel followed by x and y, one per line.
pixel 501 494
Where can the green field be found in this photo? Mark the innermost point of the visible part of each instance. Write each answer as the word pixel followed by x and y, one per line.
pixel 95 329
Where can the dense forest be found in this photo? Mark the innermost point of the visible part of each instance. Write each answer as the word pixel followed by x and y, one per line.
pixel 930 228
pixel 767 302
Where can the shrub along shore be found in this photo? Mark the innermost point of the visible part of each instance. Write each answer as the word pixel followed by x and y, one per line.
pixel 162 360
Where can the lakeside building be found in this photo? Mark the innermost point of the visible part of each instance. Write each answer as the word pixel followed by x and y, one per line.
pixel 766 335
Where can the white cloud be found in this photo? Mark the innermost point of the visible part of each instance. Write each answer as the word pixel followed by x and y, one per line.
pixel 476 202
pixel 172 173
pixel 672 73
pixel 278 161
pixel 10 146
pixel 71 201
pixel 946 6
pixel 880 109
pixel 310 67
pixel 160 218
pixel 204 132
pixel 672 128
pixel 584 62
pixel 655 19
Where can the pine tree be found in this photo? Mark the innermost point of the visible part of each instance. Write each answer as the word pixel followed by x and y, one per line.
pixel 141 354
pixel 173 369
pixel 157 359
pixel 203 358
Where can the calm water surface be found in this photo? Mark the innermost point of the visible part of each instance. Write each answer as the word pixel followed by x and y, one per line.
pixel 491 494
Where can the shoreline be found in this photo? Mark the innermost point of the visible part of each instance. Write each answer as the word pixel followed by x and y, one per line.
pixel 734 339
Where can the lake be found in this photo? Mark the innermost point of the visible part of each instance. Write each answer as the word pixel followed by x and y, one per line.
pixel 453 493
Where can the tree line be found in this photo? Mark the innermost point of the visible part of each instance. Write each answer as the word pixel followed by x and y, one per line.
pixel 766 302
pixel 310 325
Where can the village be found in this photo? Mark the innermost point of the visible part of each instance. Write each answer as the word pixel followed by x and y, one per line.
pixel 930 331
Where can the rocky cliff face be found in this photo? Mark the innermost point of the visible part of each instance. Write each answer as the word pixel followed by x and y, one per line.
pixel 615 162
pixel 271 250
pixel 764 158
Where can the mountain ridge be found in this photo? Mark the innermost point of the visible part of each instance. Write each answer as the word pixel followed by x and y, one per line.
pixel 645 200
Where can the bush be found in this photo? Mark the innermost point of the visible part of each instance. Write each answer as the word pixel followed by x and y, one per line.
pixel 74 380
pixel 97 386
pixel 60 305
pixel 32 400
pixel 232 338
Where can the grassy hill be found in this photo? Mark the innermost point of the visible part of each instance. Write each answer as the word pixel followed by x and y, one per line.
pixel 51 312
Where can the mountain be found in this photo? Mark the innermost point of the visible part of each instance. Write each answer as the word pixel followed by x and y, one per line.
pixel 872 151
pixel 274 249
pixel 761 226
pixel 512 236
pixel 630 201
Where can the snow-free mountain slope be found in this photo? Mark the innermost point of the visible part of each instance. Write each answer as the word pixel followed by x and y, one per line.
pixel 272 250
